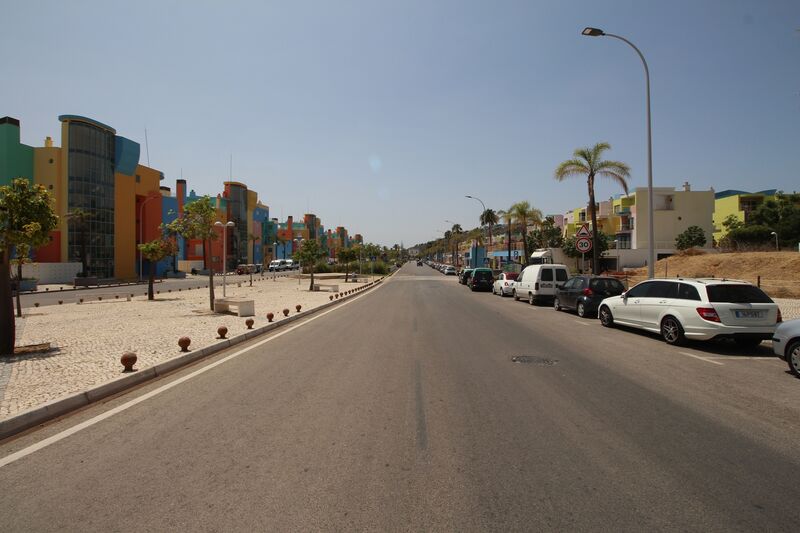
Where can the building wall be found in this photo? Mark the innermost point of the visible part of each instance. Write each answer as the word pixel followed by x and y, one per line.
pixel 142 225
pixel 674 211
pixel 47 172
pixel 16 159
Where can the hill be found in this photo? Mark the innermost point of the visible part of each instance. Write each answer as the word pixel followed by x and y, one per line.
pixel 779 271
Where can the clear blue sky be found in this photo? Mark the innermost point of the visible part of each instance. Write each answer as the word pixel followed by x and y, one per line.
pixel 381 116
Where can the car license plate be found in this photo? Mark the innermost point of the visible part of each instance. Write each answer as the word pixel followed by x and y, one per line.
pixel 749 313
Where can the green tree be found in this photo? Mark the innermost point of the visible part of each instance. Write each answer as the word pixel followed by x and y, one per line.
pixel 781 215
pixel 547 235
pixel 345 257
pixel 489 218
pixel 197 222
pixel 601 239
pixel 508 218
pixel 26 218
pixel 79 219
pixel 693 236
pixel 22 257
pixel 588 162
pixel 154 251
pixel 308 255
pixel 524 215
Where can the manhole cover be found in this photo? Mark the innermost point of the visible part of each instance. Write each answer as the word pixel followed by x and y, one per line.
pixel 534 360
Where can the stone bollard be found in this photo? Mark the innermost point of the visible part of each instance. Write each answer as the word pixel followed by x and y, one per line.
pixel 184 343
pixel 331 296
pixel 222 331
pixel 99 298
pixel 298 307
pixel 128 359
pixel 80 301
pixel 285 312
pixel 36 304
pixel 60 302
pixel 270 316
pixel 249 323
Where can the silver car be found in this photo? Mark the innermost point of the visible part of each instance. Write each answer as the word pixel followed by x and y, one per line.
pixel 786 344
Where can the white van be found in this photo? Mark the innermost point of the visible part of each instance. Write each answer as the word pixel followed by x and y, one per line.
pixel 537 283
pixel 275 265
pixel 290 264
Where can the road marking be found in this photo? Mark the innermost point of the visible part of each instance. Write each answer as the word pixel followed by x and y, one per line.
pixel 127 405
pixel 582 322
pixel 422 425
pixel 743 358
pixel 706 359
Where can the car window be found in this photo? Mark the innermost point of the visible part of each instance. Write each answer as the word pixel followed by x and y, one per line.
pixel 561 274
pixel 662 289
pixel 735 293
pixel 639 290
pixel 607 286
pixel 482 274
pixel 688 292
pixel 578 283
pixel 547 274
pixel 570 282
pixel 511 275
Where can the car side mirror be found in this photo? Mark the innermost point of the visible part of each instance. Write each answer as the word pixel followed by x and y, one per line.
pixel 624 295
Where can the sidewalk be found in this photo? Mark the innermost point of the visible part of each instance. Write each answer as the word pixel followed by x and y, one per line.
pixel 88 339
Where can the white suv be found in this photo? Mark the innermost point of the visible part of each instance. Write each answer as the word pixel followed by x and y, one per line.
pixel 701 309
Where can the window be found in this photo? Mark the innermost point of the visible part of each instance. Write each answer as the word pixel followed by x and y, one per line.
pixel 51 161
pixel 688 292
pixel 547 274
pixel 640 290
pixel 607 286
pixel 570 283
pixel 578 283
pixel 735 293
pixel 662 289
pixel 138 178
pixel 561 274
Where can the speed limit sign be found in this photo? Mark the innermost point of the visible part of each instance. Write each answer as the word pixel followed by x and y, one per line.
pixel 583 245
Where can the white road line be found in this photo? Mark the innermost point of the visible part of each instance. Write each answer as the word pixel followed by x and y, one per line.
pixel 127 405
pixel 582 322
pixel 707 360
pixel 742 358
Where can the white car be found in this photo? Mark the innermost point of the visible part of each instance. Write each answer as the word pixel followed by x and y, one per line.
pixel 450 271
pixel 504 284
pixel 700 309
pixel 786 344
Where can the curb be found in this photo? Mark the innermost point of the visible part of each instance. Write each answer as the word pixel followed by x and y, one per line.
pixel 59 407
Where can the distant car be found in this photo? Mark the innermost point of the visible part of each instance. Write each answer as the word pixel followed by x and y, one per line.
pixel 450 271
pixel 786 344
pixel 289 264
pixel 584 293
pixel 504 283
pixel 463 275
pixel 481 279
pixel 419 263
pixel 702 309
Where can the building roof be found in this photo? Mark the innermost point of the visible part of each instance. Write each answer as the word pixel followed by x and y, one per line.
pixel 65 118
pixel 734 192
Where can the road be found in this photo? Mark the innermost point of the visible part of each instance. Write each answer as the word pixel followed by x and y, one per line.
pixel 71 296
pixel 402 410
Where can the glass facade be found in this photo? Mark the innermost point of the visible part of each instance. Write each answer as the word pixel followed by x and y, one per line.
pixel 237 213
pixel 91 189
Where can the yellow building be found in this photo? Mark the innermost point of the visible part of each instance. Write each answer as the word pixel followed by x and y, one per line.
pixel 737 203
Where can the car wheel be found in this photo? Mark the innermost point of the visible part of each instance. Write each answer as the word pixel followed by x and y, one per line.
pixel 581 310
pixel 672 331
pixel 514 294
pixel 793 358
pixel 531 299
pixel 606 318
pixel 556 305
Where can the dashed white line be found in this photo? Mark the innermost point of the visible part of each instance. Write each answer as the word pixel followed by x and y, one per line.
pixel 706 359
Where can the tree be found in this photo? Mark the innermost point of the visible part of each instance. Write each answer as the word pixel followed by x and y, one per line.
pixel 588 162
pixel 197 222
pixel 26 218
pixel 523 214
pixel 78 219
pixel 455 233
pixel 693 236
pixel 547 235
pixel 508 217
pixel 308 254
pixel 346 256
pixel 154 251
pixel 489 218
pixel 602 240
pixel 22 256
pixel 781 215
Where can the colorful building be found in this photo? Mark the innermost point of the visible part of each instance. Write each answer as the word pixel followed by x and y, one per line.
pixel 739 204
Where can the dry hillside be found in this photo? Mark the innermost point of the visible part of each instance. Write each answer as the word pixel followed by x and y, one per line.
pixel 779 271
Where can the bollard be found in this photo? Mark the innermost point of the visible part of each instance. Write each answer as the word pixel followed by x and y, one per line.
pixel 298 307
pixel 128 359
pixel 270 316
pixel 222 331
pixel 331 296
pixel 60 302
pixel 36 304
pixel 249 323
pixel 285 312
pixel 184 343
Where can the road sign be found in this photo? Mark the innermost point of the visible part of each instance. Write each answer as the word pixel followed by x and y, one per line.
pixel 583 245
pixel 584 231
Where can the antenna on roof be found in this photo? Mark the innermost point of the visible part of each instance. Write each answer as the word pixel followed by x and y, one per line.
pixel 147 147
pixel 231 169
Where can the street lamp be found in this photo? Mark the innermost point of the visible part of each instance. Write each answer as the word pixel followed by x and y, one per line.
pixel 777 248
pixel 596 32
pixel 224 227
pixel 141 230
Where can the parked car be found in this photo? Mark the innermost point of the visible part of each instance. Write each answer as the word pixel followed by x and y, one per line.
pixel 464 276
pixel 246 269
pixel 289 264
pixel 584 293
pixel 450 270
pixel 701 309
pixel 786 344
pixel 504 283
pixel 419 263
pixel 481 279
pixel 537 283
pixel 274 265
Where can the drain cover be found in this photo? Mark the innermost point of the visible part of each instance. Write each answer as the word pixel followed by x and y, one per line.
pixel 533 359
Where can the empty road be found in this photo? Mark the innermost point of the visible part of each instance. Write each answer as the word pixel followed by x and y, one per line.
pixel 402 410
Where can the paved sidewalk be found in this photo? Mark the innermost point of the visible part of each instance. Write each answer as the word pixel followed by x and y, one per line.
pixel 89 338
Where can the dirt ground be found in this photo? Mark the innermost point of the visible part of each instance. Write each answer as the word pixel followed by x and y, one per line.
pixel 779 271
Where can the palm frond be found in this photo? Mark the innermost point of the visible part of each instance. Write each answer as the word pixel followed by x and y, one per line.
pixel 616 171
pixel 597 151
pixel 573 167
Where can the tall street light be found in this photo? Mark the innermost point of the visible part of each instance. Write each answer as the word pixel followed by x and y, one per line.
pixel 224 227
pixel 777 248
pixel 596 32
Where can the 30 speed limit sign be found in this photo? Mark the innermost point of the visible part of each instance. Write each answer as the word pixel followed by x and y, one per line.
pixel 583 245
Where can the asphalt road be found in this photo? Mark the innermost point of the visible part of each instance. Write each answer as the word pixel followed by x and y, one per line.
pixel 402 410
pixel 139 289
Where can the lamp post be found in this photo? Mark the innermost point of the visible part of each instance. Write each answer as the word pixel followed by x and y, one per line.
pixel 224 227
pixel 141 230
pixel 274 257
pixel 596 32
pixel 299 263
pixel 777 248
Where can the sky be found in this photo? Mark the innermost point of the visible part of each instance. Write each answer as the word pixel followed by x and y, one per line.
pixel 381 116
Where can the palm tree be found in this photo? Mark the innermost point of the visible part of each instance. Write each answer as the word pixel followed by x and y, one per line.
pixel 508 218
pixel 524 214
pixel 456 231
pixel 489 218
pixel 588 162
